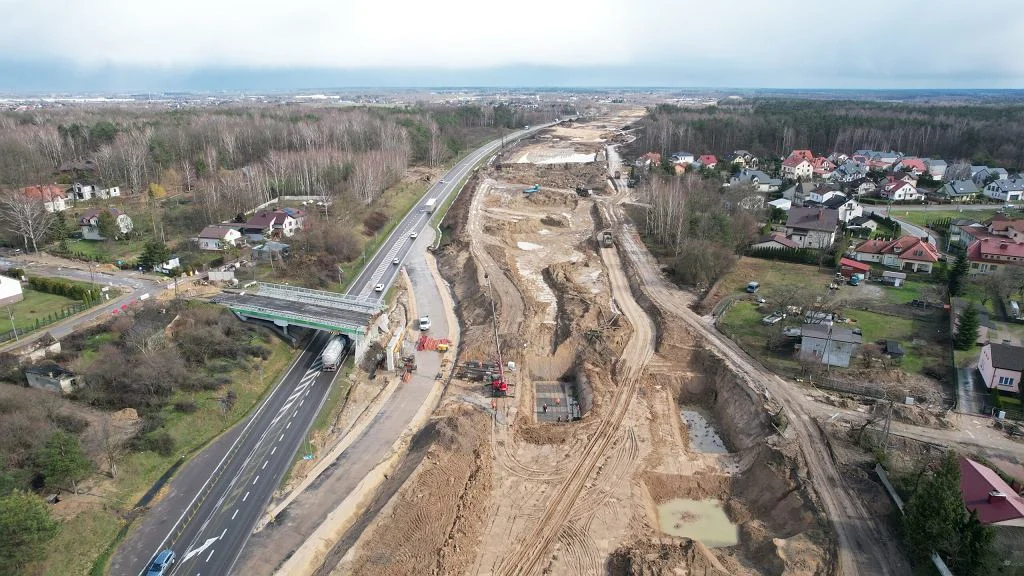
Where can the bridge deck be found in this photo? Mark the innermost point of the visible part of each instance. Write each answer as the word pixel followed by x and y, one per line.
pixel 299 313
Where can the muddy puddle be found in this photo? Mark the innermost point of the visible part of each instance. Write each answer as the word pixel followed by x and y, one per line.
pixel 703 436
pixel 701 520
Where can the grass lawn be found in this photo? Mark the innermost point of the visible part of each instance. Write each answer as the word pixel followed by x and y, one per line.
pixel 771 273
pixel 125 250
pixel 35 306
pixel 910 290
pixel 88 537
pixel 743 324
pixel 922 217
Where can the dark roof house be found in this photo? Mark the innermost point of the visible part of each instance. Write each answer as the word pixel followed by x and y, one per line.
pixel 822 219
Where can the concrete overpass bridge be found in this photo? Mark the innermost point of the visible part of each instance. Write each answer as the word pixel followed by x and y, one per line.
pixel 286 306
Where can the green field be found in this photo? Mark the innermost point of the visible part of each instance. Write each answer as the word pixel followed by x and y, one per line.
pixel 124 250
pixel 35 306
pixel 922 217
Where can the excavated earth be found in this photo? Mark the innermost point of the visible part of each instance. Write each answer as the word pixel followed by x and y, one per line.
pixel 494 491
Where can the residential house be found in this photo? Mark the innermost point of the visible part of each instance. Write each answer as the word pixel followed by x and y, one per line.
pixel 680 158
pixel 994 502
pixel 708 160
pixel 812 227
pixel 805 154
pixel 989 253
pixel 1009 190
pixel 270 250
pixel 796 167
pixel 80 191
pixel 849 267
pixel 799 193
pixel 783 204
pixel 1002 225
pixel 52 378
pixel 51 195
pixel 826 344
pixel 270 223
pixel 979 174
pixel 959 235
pixel 911 164
pixel 297 214
pixel 90 223
pixel 838 158
pixel 898 190
pixel 849 171
pixel 774 241
pixel 218 237
pixel 647 160
pixel 904 253
pixel 1001 366
pixel 936 168
pixel 958 191
pixel 823 193
pixel 847 208
pixel 883 160
pixel 744 158
pixel 822 167
pixel 862 186
pixel 10 290
pixel 756 179
pixel 862 223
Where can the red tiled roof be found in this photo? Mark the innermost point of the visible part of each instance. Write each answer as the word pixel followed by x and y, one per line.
pixel 793 161
pixel 805 154
pixel 823 164
pixel 987 494
pixel 708 159
pixel 1001 223
pixel 854 264
pixel 910 248
pixel 993 248
pixel 45 193
pixel 915 163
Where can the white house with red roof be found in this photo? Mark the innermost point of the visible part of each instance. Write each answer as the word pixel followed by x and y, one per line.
pixel 51 195
pixel 989 496
pixel 805 154
pixel 708 160
pixel 904 253
pixel 822 167
pixel 899 190
pixel 990 253
pixel 797 167
pixel 911 164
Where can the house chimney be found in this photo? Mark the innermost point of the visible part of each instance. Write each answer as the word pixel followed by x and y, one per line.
pixel 996 496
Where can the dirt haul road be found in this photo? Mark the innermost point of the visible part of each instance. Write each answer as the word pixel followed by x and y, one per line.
pixel 638 351
pixel 865 546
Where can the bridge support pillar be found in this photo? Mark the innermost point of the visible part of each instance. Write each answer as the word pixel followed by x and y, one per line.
pixel 360 344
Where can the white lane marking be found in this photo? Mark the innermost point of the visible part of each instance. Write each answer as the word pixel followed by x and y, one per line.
pixel 281 438
pixel 296 413
pixel 300 404
pixel 288 425
pixel 244 497
pixel 264 467
pixel 235 514
pixel 272 450
pixel 223 533
pixel 255 480
pixel 210 555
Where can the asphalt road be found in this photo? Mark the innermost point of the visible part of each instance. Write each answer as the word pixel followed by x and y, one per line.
pixel 381 269
pixel 214 502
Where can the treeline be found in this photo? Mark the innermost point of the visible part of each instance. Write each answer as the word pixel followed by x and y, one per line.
pixel 697 226
pixel 62 288
pixel 980 134
pixel 236 158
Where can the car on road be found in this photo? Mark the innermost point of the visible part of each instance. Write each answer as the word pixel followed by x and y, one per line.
pixel 378 288
pixel 425 323
pixel 442 181
pixel 413 235
pixel 162 563
pixel 395 261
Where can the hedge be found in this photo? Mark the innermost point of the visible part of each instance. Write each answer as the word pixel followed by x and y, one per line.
pixel 62 288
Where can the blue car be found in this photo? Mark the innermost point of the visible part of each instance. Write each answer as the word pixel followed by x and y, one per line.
pixel 162 563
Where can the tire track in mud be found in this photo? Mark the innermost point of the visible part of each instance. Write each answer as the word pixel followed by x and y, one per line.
pixel 509 462
pixel 529 551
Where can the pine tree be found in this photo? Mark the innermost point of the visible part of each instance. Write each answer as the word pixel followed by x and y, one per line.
pixel 957 275
pixel 25 528
pixel 967 331
pixel 63 461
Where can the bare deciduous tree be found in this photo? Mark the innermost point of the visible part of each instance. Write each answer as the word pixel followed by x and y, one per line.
pixel 25 216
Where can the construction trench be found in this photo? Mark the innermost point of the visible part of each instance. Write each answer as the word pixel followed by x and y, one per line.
pixel 626 443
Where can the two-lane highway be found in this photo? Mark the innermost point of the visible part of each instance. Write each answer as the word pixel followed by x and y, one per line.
pixel 215 501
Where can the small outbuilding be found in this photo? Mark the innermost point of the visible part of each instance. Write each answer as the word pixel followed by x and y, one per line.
pixel 849 267
pixel 895 279
pixel 52 378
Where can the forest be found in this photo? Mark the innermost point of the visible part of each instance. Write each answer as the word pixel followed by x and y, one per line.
pixel 987 134
pixel 234 158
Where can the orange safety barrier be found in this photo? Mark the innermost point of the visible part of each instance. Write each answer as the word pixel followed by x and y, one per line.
pixel 427 343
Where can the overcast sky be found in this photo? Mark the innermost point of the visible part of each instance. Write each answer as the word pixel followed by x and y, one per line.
pixel 740 43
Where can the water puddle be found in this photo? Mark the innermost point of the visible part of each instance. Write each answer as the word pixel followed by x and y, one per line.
pixel 703 437
pixel 701 520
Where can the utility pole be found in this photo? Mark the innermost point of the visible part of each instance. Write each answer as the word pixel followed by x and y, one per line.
pixel 10 313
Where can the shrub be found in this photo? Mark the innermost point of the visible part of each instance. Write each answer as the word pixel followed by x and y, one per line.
pixel 69 423
pixel 186 406
pixel 160 442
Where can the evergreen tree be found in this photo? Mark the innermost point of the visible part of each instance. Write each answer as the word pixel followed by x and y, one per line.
pixel 106 224
pixel 971 555
pixel 63 461
pixel 934 512
pixel 967 331
pixel 957 275
pixel 25 528
pixel 153 254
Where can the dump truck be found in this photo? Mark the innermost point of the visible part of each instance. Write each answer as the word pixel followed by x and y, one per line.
pixel 429 206
pixel 332 356
pixel 607 240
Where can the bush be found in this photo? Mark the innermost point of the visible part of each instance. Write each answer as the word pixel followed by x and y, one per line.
pixel 185 406
pixel 15 273
pixel 69 423
pixel 375 221
pixel 160 442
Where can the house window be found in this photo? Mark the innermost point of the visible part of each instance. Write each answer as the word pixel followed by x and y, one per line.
pixel 1006 380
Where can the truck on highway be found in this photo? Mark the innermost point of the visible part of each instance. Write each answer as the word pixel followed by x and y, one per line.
pixel 429 206
pixel 331 358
